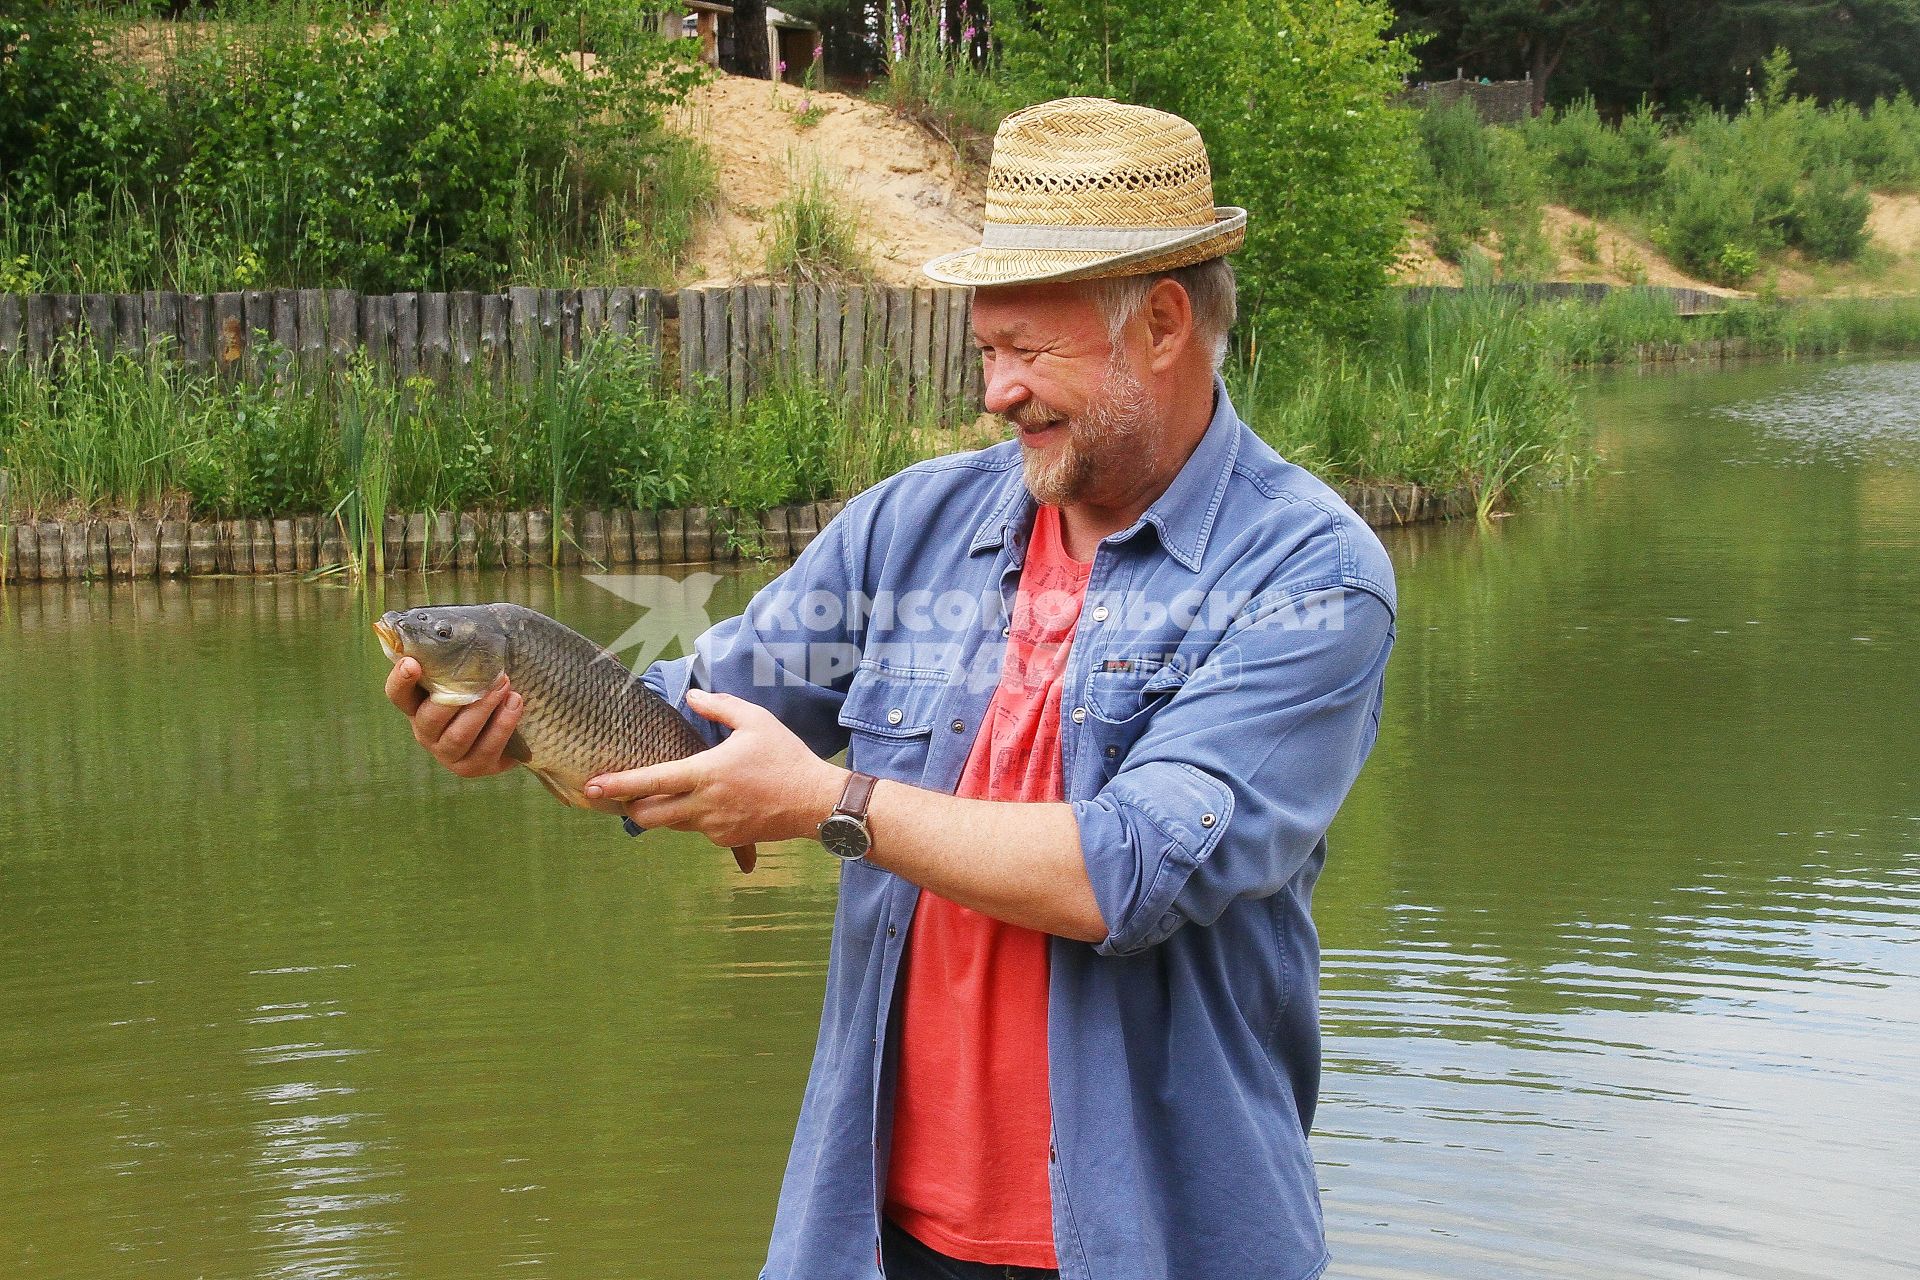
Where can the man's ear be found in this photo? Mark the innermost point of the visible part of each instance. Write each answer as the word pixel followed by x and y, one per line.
pixel 1169 314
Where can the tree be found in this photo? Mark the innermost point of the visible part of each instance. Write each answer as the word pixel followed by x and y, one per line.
pixel 1292 99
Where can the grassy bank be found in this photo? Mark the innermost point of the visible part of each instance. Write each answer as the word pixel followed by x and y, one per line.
pixel 1471 390
pixel 143 436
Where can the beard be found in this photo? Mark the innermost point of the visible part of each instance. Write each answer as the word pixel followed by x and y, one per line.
pixel 1113 437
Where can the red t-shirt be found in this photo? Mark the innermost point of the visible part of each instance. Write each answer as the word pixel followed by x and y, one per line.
pixel 972 1120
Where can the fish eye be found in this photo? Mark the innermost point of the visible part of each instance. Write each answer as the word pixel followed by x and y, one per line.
pixel 444 631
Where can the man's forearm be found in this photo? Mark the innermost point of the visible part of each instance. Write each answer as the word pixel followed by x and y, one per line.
pixel 1020 863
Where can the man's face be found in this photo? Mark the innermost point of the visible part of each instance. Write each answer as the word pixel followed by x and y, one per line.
pixel 1086 423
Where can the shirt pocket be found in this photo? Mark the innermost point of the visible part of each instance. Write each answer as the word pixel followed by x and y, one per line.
pixel 1123 693
pixel 889 714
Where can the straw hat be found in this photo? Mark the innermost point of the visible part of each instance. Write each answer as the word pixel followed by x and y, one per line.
pixel 1086 188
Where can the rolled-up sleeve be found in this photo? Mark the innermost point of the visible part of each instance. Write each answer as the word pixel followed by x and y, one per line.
pixel 779 653
pixel 1233 782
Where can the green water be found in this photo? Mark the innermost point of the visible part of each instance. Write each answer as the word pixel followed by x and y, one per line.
pixel 1622 925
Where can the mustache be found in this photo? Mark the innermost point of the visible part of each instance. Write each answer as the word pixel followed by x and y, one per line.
pixel 1033 414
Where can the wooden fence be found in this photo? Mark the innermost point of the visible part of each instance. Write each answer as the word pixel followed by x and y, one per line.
pixel 1686 302
pixel 740 337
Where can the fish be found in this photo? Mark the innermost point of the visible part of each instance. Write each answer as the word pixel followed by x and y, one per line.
pixel 585 713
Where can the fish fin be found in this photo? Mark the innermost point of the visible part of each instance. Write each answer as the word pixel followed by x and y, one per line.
pixel 517 749
pixel 746 855
pixel 572 799
pixel 453 697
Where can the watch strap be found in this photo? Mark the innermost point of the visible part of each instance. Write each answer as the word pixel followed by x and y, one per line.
pixel 857 795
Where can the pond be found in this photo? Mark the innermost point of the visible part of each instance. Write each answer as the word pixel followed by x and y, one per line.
pixel 1622 925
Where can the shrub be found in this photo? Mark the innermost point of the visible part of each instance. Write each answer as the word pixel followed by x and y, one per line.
pixel 1830 215
pixel 813 235
pixel 423 144
pixel 1595 168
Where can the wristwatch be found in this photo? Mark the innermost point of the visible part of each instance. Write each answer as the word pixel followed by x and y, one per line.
pixel 845 831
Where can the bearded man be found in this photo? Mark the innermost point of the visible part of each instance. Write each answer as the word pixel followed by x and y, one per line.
pixel 1102 688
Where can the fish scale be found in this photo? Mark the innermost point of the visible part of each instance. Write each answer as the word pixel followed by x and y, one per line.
pixel 584 712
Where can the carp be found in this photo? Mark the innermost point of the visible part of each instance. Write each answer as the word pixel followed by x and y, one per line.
pixel 585 713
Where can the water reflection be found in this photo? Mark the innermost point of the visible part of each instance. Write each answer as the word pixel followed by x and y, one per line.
pixel 1620 926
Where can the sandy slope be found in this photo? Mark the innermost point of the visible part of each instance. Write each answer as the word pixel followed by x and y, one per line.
pixel 912 200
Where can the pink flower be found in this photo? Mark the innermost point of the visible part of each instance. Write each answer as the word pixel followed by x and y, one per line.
pixel 783 67
pixel 819 50
pixel 969 33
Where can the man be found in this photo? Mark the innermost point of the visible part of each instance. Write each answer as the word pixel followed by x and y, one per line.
pixel 1114 679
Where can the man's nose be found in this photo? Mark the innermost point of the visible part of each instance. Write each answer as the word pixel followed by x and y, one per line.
pixel 1005 388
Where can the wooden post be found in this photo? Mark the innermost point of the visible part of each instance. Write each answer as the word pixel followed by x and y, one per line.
pixel 593 314
pixel 130 321
pixel 566 323
pixel 262 534
pixel 806 332
pixel 672 527
pixel 256 314
pixel 463 313
pixel 286 331
pixel 765 346
pixel 714 343
pixel 782 321
pixel 376 329
pixel 618 315
pixel 523 306
pixel 285 549
pixel 39 326
pixel 196 331
pixel 773 531
pixel 959 343
pixel 203 548
pixel 311 304
pixel 436 344
pixel 539 537
pixel 736 346
pixel 515 552
pixel 172 561
pixel 921 370
pixel 648 306
pixel 495 345
pixel 693 305
pixel 853 343
pixel 832 318
pixel 900 340
pixel 646 538
pixel 343 327
pixel 230 333
pixel 936 379
pixel 119 548
pixel 98 308
pixel 593 538
pixel 68 320
pixel 406 335
pixel 803 526
pixel 620 537
pixel 146 547
pixel 13 326
pixel 466 546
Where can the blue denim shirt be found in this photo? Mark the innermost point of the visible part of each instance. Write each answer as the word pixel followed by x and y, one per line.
pixel 1223 689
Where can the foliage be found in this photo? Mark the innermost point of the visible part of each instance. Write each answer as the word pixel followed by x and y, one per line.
pixel 1291 98
pixel 307 142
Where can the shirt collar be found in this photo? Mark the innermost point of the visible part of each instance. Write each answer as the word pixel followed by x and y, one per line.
pixel 1182 516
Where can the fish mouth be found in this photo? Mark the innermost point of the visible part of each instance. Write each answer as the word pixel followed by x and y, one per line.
pixel 390 642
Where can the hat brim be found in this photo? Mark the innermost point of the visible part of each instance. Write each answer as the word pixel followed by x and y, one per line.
pixel 982 266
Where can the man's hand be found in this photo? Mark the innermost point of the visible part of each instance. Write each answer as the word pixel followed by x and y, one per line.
pixel 762 783
pixel 471 740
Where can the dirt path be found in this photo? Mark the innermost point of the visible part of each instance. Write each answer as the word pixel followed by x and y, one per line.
pixel 912 199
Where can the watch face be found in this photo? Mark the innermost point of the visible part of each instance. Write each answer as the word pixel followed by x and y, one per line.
pixel 845 836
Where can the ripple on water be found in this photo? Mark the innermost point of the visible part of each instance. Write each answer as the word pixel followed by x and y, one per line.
pixel 1853 413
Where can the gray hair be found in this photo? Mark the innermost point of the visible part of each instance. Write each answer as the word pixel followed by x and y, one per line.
pixel 1210 288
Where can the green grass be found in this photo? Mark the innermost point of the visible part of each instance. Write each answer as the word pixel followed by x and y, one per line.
pixel 142 435
pixel 1450 393
pixel 813 235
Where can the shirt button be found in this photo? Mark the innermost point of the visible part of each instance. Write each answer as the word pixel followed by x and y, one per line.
pixel 1100 613
pixel 1207 819
pixel 1112 751
pixel 895 716
pixel 892 931
pixel 1079 715
pixel 959 726
pixel 1006 631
